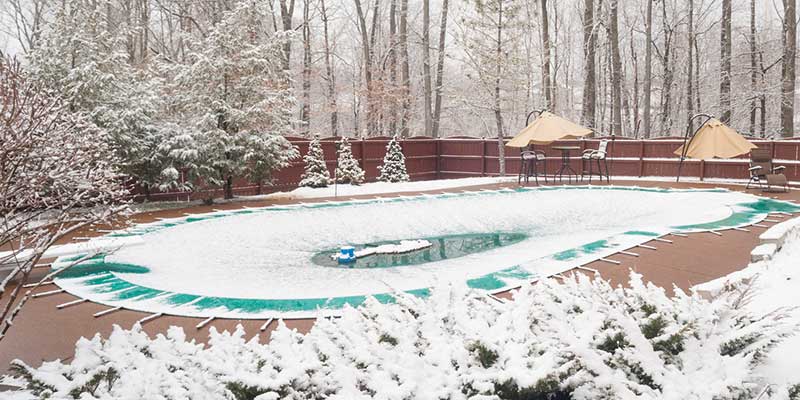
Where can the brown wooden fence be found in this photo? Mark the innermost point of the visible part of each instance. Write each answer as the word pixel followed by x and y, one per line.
pixel 460 157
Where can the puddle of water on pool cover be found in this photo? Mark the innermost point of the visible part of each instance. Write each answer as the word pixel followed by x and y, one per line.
pixel 442 248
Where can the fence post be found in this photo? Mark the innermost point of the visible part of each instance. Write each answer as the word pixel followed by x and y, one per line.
pixel 483 156
pixel 702 169
pixel 363 157
pixel 438 151
pixel 773 148
pixel 641 158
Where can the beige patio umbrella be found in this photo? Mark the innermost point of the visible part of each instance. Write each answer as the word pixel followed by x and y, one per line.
pixel 715 140
pixel 546 129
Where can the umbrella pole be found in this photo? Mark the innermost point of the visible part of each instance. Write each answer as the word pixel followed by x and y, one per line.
pixel 529 147
pixel 687 140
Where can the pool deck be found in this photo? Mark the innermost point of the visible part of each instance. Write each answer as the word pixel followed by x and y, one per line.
pixel 42 332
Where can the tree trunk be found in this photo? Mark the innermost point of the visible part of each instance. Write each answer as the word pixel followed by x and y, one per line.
pixel 762 97
pixel 667 58
pixel 393 66
pixel 636 117
pixel 697 103
pixel 725 63
pixel 497 110
pixel 329 71
pixel 405 73
pixel 437 108
pixel 690 73
pixel 648 68
pixel 367 54
pixel 788 67
pixel 286 19
pixel 753 69
pixel 616 71
pixel 229 187
pixel 547 83
pixel 373 111
pixel 426 65
pixel 305 112
pixel 588 116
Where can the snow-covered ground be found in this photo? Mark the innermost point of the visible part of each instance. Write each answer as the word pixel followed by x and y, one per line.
pixel 775 285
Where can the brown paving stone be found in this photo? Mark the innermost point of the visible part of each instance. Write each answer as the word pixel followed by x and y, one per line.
pixel 42 332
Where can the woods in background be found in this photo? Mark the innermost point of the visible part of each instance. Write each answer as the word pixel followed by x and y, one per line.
pixel 419 67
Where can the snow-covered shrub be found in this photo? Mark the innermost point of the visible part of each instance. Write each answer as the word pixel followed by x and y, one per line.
pixel 58 176
pixel 394 163
pixel 347 168
pixel 315 172
pixel 581 339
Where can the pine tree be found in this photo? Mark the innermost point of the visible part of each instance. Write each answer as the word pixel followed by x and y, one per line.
pixel 315 173
pixel 231 85
pixel 348 170
pixel 394 163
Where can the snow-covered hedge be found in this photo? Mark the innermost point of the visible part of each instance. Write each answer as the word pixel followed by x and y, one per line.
pixel 581 339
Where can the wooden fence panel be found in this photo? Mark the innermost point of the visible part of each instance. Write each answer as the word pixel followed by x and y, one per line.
pixel 428 158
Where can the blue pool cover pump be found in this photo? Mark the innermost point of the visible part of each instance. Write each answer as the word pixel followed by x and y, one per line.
pixel 347 255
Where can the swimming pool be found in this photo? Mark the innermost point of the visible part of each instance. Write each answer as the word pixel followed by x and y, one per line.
pixel 275 261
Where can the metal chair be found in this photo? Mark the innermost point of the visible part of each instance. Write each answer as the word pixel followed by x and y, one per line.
pixel 529 165
pixel 763 171
pixel 592 156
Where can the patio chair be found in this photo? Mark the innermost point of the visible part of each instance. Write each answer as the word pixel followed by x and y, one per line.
pixel 529 165
pixel 763 172
pixel 597 157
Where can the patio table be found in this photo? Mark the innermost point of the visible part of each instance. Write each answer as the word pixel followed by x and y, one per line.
pixel 565 163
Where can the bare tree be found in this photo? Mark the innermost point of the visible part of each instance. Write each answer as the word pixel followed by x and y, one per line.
pixel 666 55
pixel 616 69
pixel 305 112
pixel 437 110
pixel 648 69
pixel 393 67
pixel 788 67
pixel 287 10
pixel 64 157
pixel 367 62
pixel 588 115
pixel 426 66
pixel 725 62
pixel 754 72
pixel 329 71
pixel 689 72
pixel 547 83
pixel 405 74
pixel 27 18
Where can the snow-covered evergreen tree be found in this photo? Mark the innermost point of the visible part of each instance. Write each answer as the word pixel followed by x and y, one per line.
pixel 347 169
pixel 394 163
pixel 84 59
pixel 233 84
pixel 315 172
pixel 265 153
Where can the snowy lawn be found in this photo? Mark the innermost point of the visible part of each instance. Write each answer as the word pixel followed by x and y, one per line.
pixel 578 340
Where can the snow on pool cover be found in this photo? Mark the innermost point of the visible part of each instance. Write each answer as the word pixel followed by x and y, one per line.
pixel 275 261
